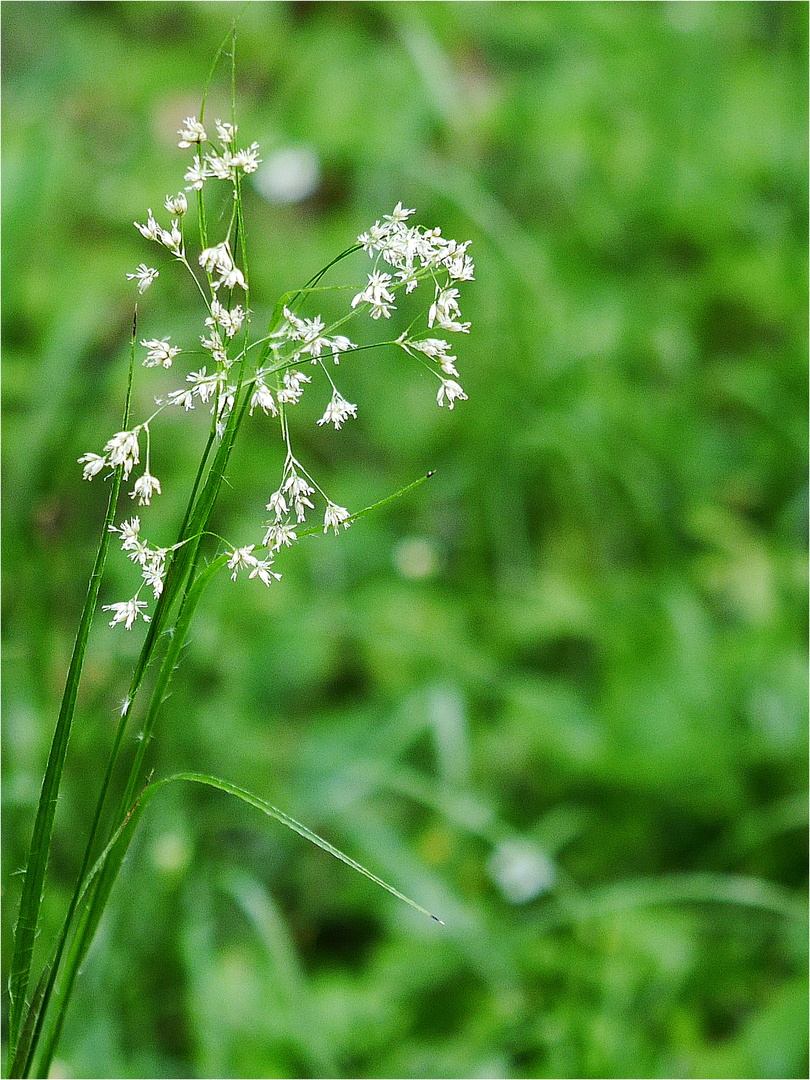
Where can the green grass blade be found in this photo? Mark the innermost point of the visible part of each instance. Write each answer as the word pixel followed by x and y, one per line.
pixel 101 891
pixel 39 851
pixel 87 927
pixel 99 884
pixel 296 826
pixel 167 669
pixel 105 872
pixel 130 811
pixel 27 1039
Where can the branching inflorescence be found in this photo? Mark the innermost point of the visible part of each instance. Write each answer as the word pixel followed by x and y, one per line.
pixel 265 374
pixel 239 378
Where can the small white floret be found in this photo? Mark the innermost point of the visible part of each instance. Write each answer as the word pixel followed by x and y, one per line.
pixel 127 612
pixel 93 464
pixel 278 534
pixel 177 204
pixel 144 275
pixel 334 517
pixel 145 487
pixel 337 411
pixel 450 391
pixel 191 132
pixel 122 449
pixel 159 352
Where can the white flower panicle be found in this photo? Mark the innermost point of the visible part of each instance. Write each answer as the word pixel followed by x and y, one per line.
pixel 403 257
pixel 417 254
pixel 411 248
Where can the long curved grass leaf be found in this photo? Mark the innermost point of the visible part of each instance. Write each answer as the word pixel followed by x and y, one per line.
pixel 109 863
pixel 296 826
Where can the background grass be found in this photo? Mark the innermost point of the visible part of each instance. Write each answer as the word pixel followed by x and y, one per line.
pixel 579 651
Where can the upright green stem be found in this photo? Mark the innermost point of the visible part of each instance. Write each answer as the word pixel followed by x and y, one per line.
pixel 39 851
pixel 103 884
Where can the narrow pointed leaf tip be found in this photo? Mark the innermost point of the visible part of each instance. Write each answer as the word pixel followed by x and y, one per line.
pixel 296 826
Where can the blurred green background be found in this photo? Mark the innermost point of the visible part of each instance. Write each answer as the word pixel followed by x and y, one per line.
pixel 557 694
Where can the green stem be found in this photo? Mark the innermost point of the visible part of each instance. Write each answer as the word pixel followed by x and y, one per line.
pixel 102 887
pixel 39 851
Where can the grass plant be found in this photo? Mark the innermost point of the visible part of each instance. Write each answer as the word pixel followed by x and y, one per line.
pixel 248 375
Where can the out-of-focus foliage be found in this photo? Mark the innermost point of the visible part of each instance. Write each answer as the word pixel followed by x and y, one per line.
pixel 558 695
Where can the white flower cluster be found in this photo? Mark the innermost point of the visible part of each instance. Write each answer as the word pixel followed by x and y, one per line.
pixel 260 568
pixel 160 352
pixel 417 253
pixel 293 497
pixel 122 449
pixel 152 562
pixel 218 260
pixel 217 166
pixel 412 253
pixel 313 342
